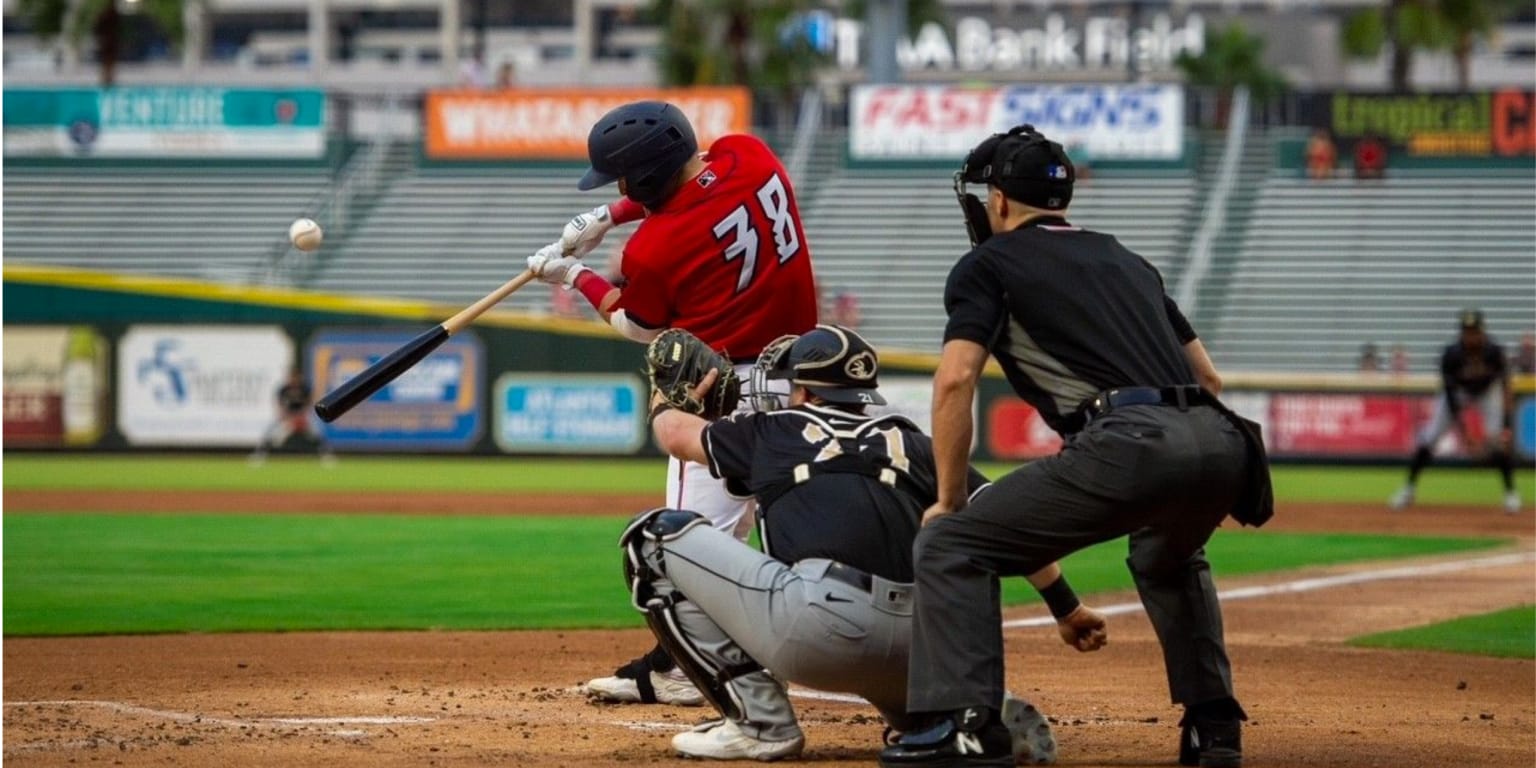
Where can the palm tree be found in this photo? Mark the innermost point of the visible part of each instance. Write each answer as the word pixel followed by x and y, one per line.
pixel 749 42
pixel 1232 57
pixel 105 20
pixel 1410 26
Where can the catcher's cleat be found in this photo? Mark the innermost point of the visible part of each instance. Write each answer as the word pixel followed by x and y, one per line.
pixel 723 740
pixel 1033 742
pixel 637 683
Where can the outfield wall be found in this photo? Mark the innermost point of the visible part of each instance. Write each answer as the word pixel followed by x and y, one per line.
pixel 109 362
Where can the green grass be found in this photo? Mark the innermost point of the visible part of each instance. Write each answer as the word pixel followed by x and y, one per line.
pixel 1510 633
pixel 90 574
pixel 1372 485
pixel 304 473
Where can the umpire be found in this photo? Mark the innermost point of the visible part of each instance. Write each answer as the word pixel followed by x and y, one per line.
pixel 1085 333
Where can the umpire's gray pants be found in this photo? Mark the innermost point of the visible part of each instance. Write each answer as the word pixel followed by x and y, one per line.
pixel 1163 476
pixel 804 626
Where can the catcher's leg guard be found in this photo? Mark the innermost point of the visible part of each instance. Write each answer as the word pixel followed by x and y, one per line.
pixel 658 526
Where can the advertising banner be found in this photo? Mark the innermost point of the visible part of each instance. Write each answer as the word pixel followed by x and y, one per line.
pixel 127 121
pixel 570 413
pixel 1488 124
pixel 55 386
pixel 434 406
pixel 182 385
pixel 1015 430
pixel 935 122
pixel 553 124
pixel 1525 427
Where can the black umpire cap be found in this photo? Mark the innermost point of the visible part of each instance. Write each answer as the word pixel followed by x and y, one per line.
pixel 1471 320
pixel 834 364
pixel 1025 165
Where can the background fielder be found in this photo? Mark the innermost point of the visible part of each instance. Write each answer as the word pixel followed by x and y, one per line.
pixel 1474 374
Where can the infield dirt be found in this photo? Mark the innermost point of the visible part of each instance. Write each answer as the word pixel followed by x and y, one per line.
pixel 345 700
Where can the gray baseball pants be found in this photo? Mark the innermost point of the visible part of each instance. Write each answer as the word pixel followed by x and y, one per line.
pixel 796 621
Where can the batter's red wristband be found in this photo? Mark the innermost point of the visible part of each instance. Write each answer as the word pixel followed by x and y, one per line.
pixel 625 210
pixel 593 286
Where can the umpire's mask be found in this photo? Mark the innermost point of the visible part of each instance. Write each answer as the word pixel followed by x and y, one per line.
pixel 1025 165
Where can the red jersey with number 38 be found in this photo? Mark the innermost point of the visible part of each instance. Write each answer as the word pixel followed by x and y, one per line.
pixel 725 257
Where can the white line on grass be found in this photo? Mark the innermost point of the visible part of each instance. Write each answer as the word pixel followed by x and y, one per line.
pixel 1308 585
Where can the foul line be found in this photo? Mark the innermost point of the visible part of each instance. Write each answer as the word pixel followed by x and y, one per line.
pixel 187 717
pixel 1309 585
pixel 1248 593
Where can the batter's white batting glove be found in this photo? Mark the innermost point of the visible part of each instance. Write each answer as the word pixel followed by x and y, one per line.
pixel 585 232
pixel 548 265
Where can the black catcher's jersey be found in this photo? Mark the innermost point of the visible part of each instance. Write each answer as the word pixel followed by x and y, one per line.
pixel 1472 371
pixel 831 483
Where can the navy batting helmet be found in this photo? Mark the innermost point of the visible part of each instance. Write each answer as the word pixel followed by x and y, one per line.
pixel 646 143
pixel 833 363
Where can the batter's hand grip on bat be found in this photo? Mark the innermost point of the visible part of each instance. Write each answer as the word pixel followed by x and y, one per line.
pixel 362 386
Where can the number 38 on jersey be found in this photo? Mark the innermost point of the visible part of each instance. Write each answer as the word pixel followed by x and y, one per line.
pixel 764 227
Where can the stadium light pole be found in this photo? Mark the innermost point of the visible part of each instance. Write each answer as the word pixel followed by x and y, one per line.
pixel 886 21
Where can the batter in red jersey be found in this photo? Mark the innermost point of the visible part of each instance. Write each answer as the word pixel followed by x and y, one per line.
pixel 719 252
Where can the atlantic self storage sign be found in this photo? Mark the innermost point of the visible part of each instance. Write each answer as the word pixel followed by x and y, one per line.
pixel 553 124
pixel 910 122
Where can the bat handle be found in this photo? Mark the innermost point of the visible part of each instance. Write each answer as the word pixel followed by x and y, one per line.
pixel 468 314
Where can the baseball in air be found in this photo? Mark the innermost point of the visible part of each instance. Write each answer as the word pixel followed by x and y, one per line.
pixel 305 234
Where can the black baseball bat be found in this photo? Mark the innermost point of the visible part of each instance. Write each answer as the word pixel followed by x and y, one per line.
pixel 362 386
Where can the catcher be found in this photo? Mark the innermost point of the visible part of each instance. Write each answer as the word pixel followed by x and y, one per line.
pixel 828 602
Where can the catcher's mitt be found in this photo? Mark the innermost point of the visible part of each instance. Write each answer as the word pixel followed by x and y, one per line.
pixel 676 361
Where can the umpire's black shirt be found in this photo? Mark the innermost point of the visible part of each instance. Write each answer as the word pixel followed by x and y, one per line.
pixel 1068 313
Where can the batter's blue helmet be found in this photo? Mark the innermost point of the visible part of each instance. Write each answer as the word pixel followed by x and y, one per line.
pixel 646 143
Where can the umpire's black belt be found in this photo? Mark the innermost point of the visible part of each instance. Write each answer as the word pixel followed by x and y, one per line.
pixel 1182 397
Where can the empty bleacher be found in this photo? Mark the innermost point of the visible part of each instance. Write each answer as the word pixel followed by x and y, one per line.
pixel 891 237
pixel 452 234
pixel 1328 266
pixel 219 223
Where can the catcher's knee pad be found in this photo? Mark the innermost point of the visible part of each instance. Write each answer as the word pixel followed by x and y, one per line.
pixel 658 525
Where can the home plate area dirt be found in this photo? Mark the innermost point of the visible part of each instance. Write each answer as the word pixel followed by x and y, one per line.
pixel 344 700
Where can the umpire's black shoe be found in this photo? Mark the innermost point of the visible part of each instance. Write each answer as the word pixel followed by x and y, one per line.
pixel 970 737
pixel 1212 736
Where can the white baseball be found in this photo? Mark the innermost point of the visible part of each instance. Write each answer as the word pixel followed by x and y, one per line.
pixel 305 234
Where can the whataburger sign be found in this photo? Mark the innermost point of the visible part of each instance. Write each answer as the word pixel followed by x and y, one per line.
pixel 553 124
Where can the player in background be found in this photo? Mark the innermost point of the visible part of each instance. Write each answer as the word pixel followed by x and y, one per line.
pixel 720 253
pixel 294 398
pixel 1473 373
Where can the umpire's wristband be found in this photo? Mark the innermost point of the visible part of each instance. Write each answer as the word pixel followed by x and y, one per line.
pixel 1060 598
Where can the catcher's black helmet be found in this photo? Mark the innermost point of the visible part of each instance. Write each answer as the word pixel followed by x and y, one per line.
pixel 833 363
pixel 646 143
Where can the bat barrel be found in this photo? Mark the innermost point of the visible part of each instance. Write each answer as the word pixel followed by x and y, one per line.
pixel 362 386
